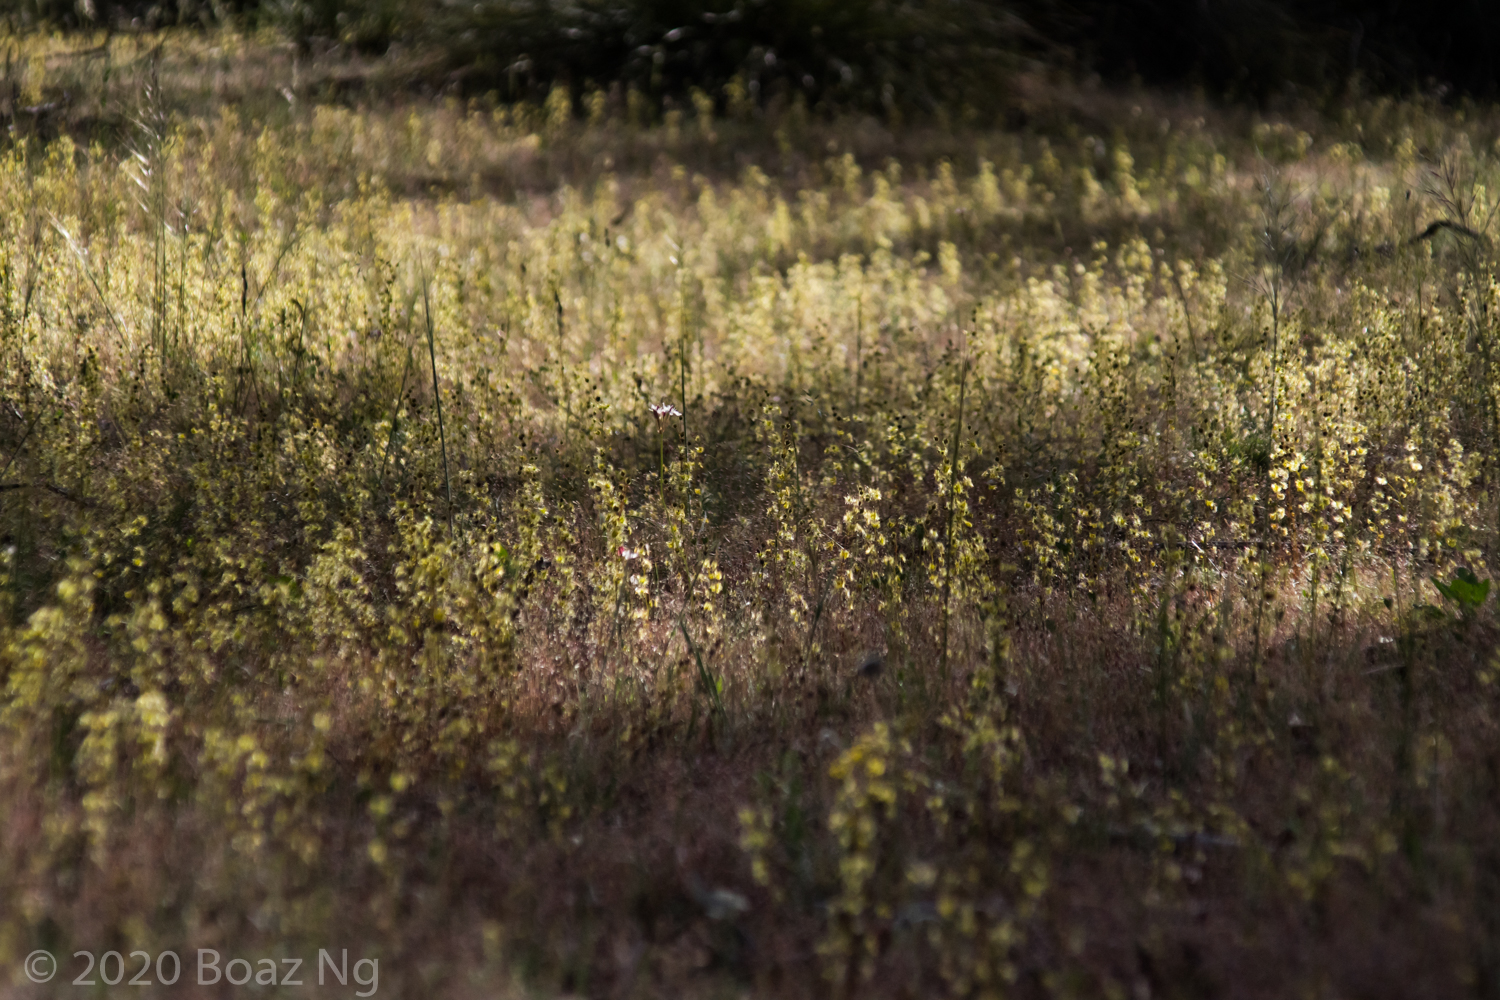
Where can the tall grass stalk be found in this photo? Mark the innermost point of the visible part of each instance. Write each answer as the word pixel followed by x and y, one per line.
pixel 953 467
pixel 437 397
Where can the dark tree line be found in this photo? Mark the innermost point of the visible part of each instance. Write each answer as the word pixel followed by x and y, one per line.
pixel 916 54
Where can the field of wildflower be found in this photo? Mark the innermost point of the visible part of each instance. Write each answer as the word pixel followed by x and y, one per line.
pixel 581 548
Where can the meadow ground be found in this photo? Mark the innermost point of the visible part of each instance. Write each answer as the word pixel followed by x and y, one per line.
pixel 566 548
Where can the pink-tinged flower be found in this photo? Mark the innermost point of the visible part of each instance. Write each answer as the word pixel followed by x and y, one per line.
pixel 665 410
pixel 629 554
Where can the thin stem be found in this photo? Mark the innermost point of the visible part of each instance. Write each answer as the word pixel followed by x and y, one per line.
pixel 1187 314
pixel 859 330
pixel 1275 356
pixel 562 367
pixel 395 409
pixel 438 399
pixel 948 528
pixel 88 273
pixel 22 445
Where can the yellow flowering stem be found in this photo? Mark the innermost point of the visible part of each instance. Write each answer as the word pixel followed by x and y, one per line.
pixel 437 400
pixel 958 429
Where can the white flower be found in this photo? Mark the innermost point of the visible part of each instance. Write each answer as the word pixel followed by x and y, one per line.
pixel 665 410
